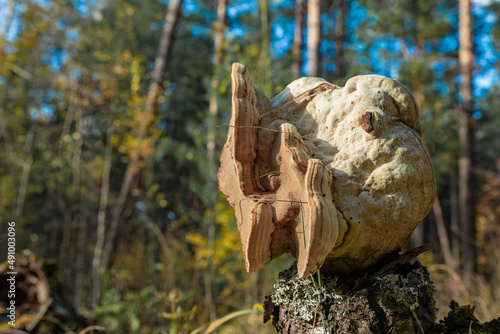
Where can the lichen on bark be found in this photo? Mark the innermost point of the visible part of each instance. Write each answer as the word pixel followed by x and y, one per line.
pixel 399 302
pixel 305 297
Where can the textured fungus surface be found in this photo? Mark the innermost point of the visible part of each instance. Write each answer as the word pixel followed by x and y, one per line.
pixel 338 177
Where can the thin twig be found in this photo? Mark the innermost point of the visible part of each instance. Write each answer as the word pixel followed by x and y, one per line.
pixel 91 328
pixel 418 321
pixel 36 319
pixel 319 278
pixel 324 320
pixel 249 126
pixel 21 72
pixel 315 314
pixel 303 226
pixel 276 172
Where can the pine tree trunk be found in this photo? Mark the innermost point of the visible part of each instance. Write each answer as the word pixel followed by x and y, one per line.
pixel 7 17
pixel 313 35
pixel 28 163
pixel 341 65
pixel 101 219
pixel 466 136
pixel 213 109
pixel 264 61
pixel 454 224
pixel 213 106
pixel 444 241
pixel 297 37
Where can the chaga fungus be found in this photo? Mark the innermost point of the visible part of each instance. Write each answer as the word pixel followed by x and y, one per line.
pixel 338 177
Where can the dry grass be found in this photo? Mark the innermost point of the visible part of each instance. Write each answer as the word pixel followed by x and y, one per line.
pixel 477 292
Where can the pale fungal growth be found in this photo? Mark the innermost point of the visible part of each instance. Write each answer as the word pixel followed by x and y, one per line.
pixel 338 177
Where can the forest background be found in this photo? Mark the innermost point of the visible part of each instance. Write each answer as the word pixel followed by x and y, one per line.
pixel 112 117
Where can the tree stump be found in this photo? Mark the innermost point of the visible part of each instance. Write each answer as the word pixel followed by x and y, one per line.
pixel 394 296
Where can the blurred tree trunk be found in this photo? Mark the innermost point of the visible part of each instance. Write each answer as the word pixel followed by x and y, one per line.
pixel 78 251
pixel 466 136
pixel 313 35
pixel 297 37
pixel 143 128
pixel 101 219
pixel 7 17
pixel 67 252
pixel 455 229
pixel 215 85
pixel 418 87
pixel 264 62
pixel 27 164
pixel 418 239
pixel 339 36
pixel 213 117
pixel 444 241
pixel 79 265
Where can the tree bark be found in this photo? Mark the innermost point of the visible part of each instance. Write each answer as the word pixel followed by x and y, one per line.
pixel 466 136
pixel 339 35
pixel 442 234
pixel 213 109
pixel 101 220
pixel 213 106
pixel 74 113
pixel 297 37
pixel 264 62
pixel 148 116
pixel 313 35
pixel 77 252
pixel 28 163
pixel 7 18
pixel 454 225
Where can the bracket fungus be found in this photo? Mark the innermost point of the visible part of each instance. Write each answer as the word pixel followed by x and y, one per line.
pixel 338 177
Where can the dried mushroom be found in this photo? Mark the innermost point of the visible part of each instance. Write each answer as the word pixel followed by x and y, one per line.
pixel 338 177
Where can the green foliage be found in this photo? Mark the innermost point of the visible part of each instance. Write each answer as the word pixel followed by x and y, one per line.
pixel 140 311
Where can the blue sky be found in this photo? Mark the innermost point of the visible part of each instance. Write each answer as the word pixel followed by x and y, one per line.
pixel 282 27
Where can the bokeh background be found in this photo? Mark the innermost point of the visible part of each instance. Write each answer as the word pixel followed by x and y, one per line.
pixel 109 144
